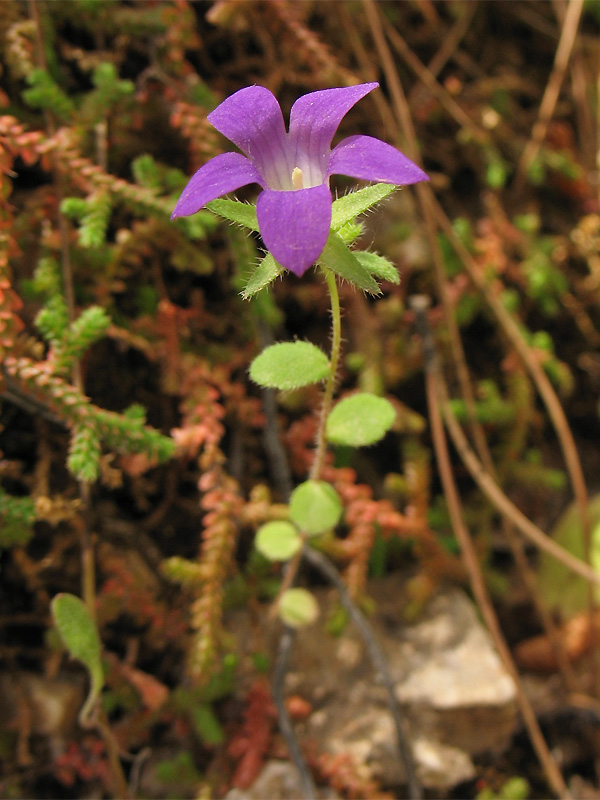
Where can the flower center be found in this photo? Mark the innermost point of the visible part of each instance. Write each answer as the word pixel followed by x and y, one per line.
pixel 297 178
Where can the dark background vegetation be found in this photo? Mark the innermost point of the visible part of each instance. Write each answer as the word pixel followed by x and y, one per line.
pixel 103 120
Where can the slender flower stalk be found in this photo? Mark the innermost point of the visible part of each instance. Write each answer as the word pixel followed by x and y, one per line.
pixel 320 442
pixel 336 345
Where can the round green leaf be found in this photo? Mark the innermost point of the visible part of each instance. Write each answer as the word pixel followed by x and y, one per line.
pixel 315 507
pixel 360 420
pixel 298 608
pixel 278 540
pixel 289 365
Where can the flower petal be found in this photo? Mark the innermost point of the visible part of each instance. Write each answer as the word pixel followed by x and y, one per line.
pixel 217 177
pixel 370 159
pixel 252 120
pixel 294 225
pixel 314 119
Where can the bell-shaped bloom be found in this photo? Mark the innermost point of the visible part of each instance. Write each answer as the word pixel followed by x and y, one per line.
pixel 292 167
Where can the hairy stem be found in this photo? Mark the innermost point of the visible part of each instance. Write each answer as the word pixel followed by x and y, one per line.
pixel 336 344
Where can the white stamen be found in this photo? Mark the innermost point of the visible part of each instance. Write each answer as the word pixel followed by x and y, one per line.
pixel 297 179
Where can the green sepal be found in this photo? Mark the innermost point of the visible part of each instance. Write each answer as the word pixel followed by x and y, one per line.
pixel 360 420
pixel 315 507
pixel 378 266
pixel 350 232
pixel 289 365
pixel 347 208
pixel 80 635
pixel 339 259
pixel 243 214
pixel 263 275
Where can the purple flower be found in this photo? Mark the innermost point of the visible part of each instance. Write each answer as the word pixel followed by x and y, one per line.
pixel 293 168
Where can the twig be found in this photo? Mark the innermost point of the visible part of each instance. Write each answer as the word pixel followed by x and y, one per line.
pixel 463 536
pixel 430 211
pixel 583 108
pixel 501 501
pixel 450 41
pixel 420 304
pixel 427 200
pixel 538 375
pixel 367 68
pixel 442 94
pixel 533 366
pixel 548 104
pixel 430 206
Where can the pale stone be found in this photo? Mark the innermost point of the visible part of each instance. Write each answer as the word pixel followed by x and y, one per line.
pixel 453 662
pixel 457 698
pixel 278 780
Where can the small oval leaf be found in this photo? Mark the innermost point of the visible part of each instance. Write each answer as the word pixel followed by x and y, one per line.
pixel 78 631
pixel 278 540
pixel 298 607
pixel 360 420
pixel 315 507
pixel 289 365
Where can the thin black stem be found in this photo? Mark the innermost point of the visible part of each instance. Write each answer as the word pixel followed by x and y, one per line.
pixel 379 663
pixel 309 790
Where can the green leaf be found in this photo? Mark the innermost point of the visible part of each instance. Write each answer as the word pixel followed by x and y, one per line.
pixel 289 365
pixel 46 94
pixel 243 214
pixel 360 420
pixel 339 259
pixel 560 589
pixel 73 207
pixel 17 515
pixel 298 607
pixel 315 507
pixel 95 221
pixel 85 452
pixel 496 172
pixel 207 725
pixel 263 275
pixel 78 631
pixel 146 172
pixel 347 208
pixel 278 540
pixel 378 266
